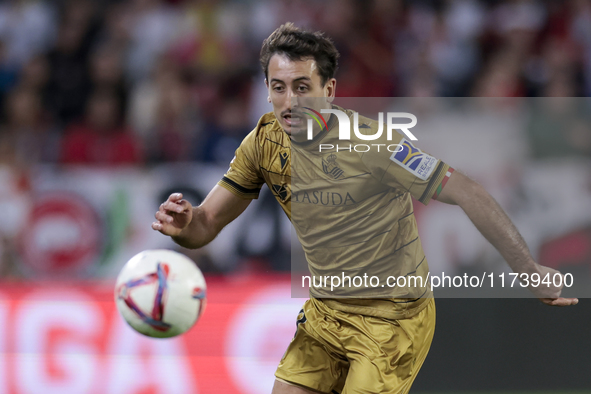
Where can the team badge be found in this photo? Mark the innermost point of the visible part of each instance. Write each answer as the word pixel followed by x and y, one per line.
pixel 414 160
pixel 331 167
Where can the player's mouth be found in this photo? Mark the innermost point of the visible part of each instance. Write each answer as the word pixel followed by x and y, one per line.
pixel 292 119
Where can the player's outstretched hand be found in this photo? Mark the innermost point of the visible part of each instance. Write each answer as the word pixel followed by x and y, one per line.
pixel 550 295
pixel 560 301
pixel 173 216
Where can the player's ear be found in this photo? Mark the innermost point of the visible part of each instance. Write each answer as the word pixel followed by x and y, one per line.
pixel 330 89
pixel 267 85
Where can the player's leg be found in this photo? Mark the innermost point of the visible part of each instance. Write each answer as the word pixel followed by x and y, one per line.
pixel 389 357
pixel 311 364
pixel 284 388
pixel 421 330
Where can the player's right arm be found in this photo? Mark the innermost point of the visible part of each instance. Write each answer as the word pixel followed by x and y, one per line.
pixel 194 227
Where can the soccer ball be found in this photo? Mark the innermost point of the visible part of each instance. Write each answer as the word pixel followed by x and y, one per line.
pixel 160 293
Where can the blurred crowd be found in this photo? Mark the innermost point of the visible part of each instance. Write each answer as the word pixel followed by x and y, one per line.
pixel 150 81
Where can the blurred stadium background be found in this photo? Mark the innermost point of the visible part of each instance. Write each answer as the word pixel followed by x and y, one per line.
pixel 109 106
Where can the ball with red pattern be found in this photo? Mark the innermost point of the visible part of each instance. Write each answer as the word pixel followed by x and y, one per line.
pixel 160 293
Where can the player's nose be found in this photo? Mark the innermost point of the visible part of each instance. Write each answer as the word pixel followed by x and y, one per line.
pixel 292 99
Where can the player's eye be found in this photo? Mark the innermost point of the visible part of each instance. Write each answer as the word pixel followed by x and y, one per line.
pixel 302 88
pixel 278 88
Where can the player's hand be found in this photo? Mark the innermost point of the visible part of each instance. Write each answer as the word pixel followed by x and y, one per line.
pixel 550 295
pixel 560 301
pixel 173 216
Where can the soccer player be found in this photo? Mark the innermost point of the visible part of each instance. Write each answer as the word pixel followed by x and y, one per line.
pixel 344 345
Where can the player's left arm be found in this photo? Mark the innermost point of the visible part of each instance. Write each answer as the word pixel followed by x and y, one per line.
pixel 494 224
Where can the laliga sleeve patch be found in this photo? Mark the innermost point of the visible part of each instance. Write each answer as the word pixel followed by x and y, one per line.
pixel 414 160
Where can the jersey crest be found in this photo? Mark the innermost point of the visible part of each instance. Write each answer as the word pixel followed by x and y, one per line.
pixel 331 167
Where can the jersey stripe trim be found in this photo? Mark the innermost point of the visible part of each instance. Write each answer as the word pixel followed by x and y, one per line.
pixel 415 270
pixel 442 184
pixel 237 189
pixel 436 179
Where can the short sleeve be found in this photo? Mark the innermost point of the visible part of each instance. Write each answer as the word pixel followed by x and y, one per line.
pixel 244 178
pixel 404 166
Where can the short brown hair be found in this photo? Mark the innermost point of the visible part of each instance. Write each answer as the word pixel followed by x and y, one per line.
pixel 298 44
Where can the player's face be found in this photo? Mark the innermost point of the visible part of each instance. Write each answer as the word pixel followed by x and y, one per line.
pixel 293 84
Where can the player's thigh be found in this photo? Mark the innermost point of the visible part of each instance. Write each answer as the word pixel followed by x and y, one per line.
pixel 311 361
pixel 420 329
pixel 389 358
